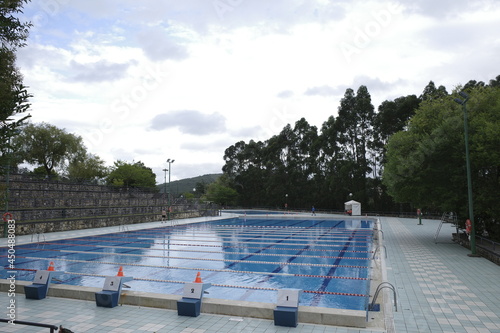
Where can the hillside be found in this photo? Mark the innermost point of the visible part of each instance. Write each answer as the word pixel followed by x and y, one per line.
pixel 187 185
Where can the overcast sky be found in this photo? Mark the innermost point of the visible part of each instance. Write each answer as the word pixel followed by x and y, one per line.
pixel 148 80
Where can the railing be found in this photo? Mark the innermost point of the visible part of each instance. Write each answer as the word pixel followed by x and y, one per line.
pixel 450 217
pixel 381 286
pixel 482 240
pixel 52 328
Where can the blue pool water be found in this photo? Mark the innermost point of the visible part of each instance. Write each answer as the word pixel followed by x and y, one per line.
pixel 244 258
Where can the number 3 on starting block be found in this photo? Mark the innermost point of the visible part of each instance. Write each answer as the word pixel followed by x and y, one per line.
pixel 112 283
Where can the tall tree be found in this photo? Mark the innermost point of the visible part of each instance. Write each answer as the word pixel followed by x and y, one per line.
pixel 131 175
pixel 392 117
pixel 87 168
pixel 48 146
pixel 13 94
pixel 426 163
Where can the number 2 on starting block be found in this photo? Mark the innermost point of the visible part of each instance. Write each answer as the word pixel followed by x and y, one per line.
pixel 193 290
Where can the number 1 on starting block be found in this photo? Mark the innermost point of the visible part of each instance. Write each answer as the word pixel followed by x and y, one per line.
pixel 288 297
pixel 41 277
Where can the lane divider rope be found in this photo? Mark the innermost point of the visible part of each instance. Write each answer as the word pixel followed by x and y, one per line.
pixel 210 259
pixel 196 268
pixel 225 285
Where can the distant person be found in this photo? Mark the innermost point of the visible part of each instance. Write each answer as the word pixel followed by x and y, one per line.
pixel 163 215
pixel 313 211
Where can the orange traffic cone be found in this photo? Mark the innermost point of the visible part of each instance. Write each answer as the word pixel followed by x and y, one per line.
pixel 198 278
pixel 51 266
pixel 120 271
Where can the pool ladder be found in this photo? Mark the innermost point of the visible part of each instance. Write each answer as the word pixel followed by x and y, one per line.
pixel 378 249
pixel 381 286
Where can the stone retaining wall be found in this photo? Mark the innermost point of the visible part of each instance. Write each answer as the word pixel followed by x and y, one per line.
pixel 40 206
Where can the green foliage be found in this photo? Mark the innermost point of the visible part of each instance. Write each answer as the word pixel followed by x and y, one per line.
pixel 88 167
pixel 131 175
pixel 187 185
pixel 48 146
pixel 13 94
pixel 221 192
pixel 41 173
pixel 13 32
pixel 426 163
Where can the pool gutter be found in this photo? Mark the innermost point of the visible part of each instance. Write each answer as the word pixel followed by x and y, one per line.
pixel 307 314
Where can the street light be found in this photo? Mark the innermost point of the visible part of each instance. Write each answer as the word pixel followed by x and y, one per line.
pixel 469 180
pixel 169 161
pixel 164 193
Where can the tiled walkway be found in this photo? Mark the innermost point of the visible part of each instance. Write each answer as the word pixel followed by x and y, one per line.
pixel 439 288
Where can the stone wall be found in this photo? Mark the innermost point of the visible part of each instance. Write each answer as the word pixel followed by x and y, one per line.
pixel 47 206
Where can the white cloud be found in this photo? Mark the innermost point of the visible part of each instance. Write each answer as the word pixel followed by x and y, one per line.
pixel 150 80
pixel 190 122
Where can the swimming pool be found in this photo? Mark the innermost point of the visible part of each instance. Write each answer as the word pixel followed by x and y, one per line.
pixel 246 258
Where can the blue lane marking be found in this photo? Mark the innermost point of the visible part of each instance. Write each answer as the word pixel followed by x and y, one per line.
pixel 331 272
pixel 269 246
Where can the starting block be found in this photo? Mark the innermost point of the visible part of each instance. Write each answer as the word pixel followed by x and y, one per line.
pixel 190 303
pixel 286 312
pixel 111 291
pixel 41 283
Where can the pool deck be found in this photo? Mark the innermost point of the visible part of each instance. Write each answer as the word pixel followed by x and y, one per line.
pixel 439 289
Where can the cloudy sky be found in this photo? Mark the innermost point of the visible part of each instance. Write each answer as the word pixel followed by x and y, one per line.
pixel 150 80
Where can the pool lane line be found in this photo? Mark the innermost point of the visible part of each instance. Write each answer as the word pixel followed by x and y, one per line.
pixel 280 267
pixel 198 269
pixel 197 251
pixel 233 262
pixel 223 285
pixel 235 241
pixel 266 247
pixel 179 237
pixel 226 246
pixel 235 246
pixel 284 230
pixel 326 282
pixel 237 261
pixel 218 233
pixel 194 239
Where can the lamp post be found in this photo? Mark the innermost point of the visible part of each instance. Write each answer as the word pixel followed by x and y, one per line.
pixel 7 181
pixel 469 180
pixel 286 203
pixel 169 161
pixel 165 192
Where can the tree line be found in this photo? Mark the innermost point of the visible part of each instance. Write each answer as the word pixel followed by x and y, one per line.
pixel 407 155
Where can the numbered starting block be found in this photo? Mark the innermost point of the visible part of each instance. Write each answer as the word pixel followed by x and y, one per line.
pixel 41 283
pixel 111 291
pixel 190 303
pixel 287 308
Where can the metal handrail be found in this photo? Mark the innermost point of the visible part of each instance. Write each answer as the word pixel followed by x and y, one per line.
pixel 379 288
pixel 483 239
pixel 377 249
pixel 52 328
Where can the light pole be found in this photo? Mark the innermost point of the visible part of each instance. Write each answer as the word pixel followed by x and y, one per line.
pixel 165 192
pixel 7 181
pixel 169 161
pixel 286 203
pixel 469 180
